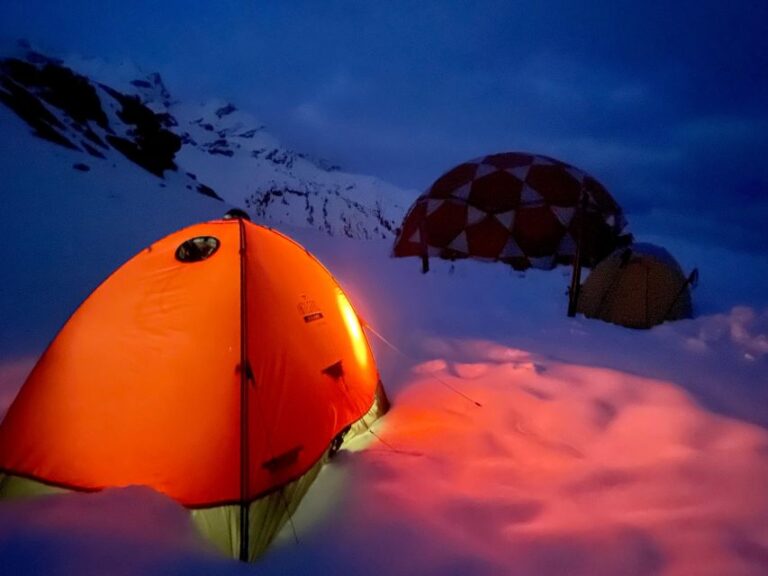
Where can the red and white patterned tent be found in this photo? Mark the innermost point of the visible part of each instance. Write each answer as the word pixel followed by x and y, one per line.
pixel 523 209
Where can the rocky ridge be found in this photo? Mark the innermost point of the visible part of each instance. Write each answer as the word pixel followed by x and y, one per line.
pixel 211 148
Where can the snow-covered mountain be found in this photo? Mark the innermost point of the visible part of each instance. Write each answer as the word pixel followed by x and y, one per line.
pixel 213 148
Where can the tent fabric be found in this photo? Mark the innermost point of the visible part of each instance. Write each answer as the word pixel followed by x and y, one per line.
pixel 220 525
pixel 15 487
pixel 267 515
pixel 638 287
pixel 215 380
pixel 522 209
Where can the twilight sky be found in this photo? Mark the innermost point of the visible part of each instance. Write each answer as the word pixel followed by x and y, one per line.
pixel 666 102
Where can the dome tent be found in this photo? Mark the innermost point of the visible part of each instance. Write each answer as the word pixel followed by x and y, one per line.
pixel 220 366
pixel 638 287
pixel 525 210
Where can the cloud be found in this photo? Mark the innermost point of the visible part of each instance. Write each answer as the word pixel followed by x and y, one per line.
pixel 723 130
pixel 559 78
pixel 317 112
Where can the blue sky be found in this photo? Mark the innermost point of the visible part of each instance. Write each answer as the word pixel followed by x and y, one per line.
pixel 665 102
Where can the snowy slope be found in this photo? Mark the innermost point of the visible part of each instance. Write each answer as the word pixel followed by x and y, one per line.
pixel 232 151
pixel 597 450
pixel 213 147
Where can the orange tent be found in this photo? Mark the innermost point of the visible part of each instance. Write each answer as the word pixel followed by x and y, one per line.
pixel 220 366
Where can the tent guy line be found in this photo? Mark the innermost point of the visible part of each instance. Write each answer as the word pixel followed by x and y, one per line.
pixel 399 351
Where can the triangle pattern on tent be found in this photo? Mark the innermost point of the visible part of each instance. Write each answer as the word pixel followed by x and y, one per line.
pixel 520 172
pixel 511 249
pixel 415 237
pixel 462 192
pixel 484 170
pixel 529 196
pixel 433 205
pixel 475 215
pixel 564 214
pixel 507 219
pixel 460 243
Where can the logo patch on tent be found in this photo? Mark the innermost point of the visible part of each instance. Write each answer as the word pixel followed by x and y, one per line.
pixel 309 310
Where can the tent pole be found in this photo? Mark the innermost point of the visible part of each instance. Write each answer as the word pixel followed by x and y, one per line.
pixel 424 249
pixel 573 292
pixel 244 372
pixel 690 281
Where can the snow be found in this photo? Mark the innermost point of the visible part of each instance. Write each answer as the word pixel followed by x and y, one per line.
pixel 596 449
pixel 254 164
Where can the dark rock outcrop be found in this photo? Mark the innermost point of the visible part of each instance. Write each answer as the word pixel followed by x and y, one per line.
pixel 64 107
pixel 152 146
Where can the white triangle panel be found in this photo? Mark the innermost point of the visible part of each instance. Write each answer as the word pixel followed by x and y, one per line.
pixel 529 196
pixel 474 215
pixel 564 214
pixel 520 172
pixel 484 170
pixel 511 249
pixel 462 192
pixel 415 237
pixel 433 204
pixel 507 219
pixel 460 243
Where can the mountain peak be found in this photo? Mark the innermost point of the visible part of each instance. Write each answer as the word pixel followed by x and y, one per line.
pixel 97 110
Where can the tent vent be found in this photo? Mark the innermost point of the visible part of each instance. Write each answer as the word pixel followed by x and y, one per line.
pixel 335 370
pixel 282 460
pixel 197 249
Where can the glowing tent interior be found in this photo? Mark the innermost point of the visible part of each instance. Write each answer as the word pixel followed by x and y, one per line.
pixel 221 366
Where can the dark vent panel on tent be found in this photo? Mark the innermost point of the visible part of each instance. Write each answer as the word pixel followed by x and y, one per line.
pixel 197 249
